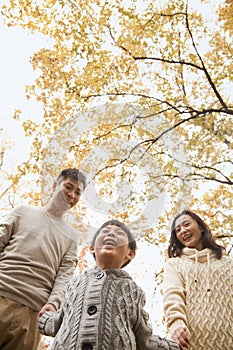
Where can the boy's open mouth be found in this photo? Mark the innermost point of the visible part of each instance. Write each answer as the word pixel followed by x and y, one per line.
pixel 110 242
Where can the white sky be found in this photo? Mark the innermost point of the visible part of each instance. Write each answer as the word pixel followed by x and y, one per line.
pixel 17 46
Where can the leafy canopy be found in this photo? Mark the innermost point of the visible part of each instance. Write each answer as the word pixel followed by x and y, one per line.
pixel 160 72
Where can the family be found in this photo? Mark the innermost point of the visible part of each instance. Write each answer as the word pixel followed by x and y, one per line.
pixel 103 308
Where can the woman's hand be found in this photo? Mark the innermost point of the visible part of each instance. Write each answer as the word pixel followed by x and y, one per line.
pixel 182 337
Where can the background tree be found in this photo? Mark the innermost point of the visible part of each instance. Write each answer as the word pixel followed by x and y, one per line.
pixel 137 94
pixel 172 58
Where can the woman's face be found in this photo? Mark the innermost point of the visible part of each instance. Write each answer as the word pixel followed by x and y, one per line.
pixel 188 232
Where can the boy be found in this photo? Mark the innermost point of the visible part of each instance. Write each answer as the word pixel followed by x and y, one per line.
pixel 103 308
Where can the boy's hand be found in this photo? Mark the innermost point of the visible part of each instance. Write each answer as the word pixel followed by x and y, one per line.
pixel 182 337
pixel 46 307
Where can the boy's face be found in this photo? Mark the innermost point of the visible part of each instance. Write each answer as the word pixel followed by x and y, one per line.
pixel 67 193
pixel 111 248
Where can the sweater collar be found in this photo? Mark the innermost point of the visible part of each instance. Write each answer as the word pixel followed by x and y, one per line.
pixel 198 255
pixel 116 272
pixel 201 256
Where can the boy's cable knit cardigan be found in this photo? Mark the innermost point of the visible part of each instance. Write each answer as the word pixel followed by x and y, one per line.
pixel 198 294
pixel 102 310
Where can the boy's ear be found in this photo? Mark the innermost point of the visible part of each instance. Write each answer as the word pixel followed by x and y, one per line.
pixel 131 254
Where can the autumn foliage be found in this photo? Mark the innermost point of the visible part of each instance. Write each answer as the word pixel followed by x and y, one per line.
pixel 163 140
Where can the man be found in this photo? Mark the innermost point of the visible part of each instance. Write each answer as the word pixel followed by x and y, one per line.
pixel 38 254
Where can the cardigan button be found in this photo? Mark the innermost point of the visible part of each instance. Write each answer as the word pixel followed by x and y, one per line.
pixel 91 310
pixel 99 275
pixel 87 346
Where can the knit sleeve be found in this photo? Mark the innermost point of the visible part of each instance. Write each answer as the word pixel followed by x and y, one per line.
pixel 143 332
pixel 50 322
pixel 174 297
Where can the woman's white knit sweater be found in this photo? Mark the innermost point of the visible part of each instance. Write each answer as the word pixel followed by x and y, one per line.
pixel 103 310
pixel 198 294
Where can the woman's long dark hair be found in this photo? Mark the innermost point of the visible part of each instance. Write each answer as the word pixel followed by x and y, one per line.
pixel 175 247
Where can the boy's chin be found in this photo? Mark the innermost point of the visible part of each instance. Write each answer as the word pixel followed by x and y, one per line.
pixel 108 248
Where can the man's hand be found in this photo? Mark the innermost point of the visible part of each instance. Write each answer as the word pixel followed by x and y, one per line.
pixel 46 307
pixel 182 337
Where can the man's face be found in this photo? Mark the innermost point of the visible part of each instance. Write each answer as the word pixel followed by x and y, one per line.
pixel 67 193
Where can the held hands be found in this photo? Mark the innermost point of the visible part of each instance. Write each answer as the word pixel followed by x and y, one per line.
pixel 182 337
pixel 46 307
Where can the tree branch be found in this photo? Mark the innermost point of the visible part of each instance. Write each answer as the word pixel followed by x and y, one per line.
pixel 202 62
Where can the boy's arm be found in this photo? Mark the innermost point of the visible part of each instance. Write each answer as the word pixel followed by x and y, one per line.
pixel 144 335
pixel 49 323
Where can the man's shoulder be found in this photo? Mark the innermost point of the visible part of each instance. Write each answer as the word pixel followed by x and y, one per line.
pixel 24 207
pixel 21 209
pixel 68 231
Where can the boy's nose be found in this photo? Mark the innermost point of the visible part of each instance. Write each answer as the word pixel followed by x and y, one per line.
pixel 110 233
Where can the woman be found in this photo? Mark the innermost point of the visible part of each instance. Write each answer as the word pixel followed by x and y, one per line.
pixel 198 287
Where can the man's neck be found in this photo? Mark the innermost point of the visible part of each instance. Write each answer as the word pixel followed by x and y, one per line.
pixel 53 211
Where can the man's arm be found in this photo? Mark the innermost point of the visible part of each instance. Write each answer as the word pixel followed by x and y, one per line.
pixel 63 276
pixel 7 226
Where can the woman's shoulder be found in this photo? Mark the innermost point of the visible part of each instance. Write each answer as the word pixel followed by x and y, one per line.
pixel 173 261
pixel 178 264
pixel 226 259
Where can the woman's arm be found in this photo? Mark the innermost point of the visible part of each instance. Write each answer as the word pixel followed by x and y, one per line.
pixel 174 300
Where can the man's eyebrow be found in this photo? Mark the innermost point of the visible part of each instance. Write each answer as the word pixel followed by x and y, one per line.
pixel 69 183
pixel 79 188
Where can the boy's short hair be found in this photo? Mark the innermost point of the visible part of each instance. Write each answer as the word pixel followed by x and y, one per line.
pixel 72 173
pixel 131 240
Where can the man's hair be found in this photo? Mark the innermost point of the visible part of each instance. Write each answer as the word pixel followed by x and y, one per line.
pixel 131 240
pixel 74 174
pixel 175 247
